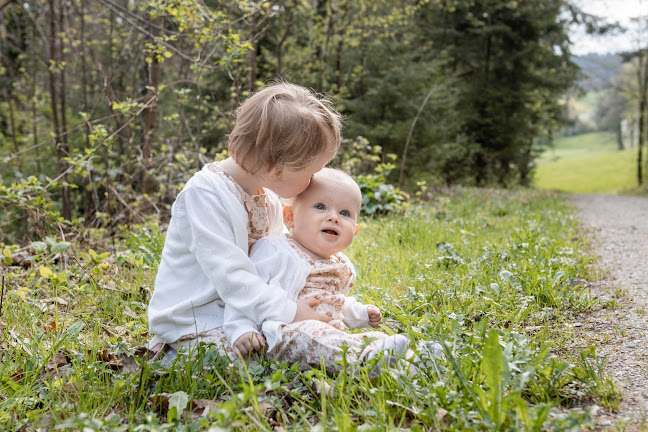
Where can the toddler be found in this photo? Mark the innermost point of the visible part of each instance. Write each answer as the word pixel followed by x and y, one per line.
pixel 309 264
pixel 283 135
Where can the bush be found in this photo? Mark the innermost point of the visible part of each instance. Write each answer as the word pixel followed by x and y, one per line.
pixel 365 164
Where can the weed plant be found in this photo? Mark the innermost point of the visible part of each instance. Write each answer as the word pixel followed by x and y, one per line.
pixel 491 276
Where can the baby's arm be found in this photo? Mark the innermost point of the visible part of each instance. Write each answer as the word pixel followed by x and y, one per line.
pixel 358 315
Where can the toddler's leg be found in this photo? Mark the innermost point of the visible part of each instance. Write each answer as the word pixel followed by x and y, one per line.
pixel 214 336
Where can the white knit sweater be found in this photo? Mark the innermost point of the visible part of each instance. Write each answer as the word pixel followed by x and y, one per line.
pixel 205 265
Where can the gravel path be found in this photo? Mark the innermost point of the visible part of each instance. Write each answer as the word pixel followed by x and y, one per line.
pixel 619 227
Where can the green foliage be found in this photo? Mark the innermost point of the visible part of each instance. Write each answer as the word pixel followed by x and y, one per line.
pixel 28 207
pixel 490 275
pixel 364 162
pixel 135 97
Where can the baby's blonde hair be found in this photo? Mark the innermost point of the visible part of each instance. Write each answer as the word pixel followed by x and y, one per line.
pixel 283 126
pixel 331 173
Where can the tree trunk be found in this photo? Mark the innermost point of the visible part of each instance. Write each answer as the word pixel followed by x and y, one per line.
pixel 640 142
pixel 323 52
pixel 34 110
pixel 149 115
pixel 253 53
pixel 525 164
pixel 619 134
pixel 65 147
pixel 340 46
pixel 53 84
pixel 279 50
pixel 12 122
pixel 91 199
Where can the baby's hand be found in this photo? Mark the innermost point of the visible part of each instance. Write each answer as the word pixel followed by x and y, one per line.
pixel 305 311
pixel 375 317
pixel 247 343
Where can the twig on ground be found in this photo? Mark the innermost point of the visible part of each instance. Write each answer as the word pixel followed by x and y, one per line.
pixel 2 295
pixel 141 377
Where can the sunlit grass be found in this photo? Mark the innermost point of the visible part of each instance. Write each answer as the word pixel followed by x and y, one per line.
pixel 491 275
pixel 588 163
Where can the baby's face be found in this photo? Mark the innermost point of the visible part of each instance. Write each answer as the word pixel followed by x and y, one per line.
pixel 323 218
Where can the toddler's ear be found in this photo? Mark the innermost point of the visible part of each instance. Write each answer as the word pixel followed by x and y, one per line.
pixel 356 230
pixel 274 173
pixel 288 216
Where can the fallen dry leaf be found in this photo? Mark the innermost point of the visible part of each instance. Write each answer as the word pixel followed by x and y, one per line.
pixel 21 261
pixel 51 326
pixel 197 407
pixel 441 413
pixel 202 407
pixel 59 360
pixel 160 402
pixel 18 376
pixel 266 409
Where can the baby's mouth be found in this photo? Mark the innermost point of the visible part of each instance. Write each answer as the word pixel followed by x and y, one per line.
pixel 330 232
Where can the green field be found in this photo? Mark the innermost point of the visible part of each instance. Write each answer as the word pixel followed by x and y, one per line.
pixel 588 163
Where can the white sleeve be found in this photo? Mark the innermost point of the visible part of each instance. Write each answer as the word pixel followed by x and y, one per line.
pixel 236 324
pixel 209 234
pixel 355 313
pixel 278 266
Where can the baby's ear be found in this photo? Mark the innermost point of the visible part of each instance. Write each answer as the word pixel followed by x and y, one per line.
pixel 288 216
pixel 356 230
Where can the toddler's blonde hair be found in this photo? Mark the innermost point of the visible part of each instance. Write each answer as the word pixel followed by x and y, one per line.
pixel 283 126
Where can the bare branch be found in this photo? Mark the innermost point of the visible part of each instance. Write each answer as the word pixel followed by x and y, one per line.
pixel 5 4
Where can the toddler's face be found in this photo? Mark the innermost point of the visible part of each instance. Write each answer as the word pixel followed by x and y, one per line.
pixel 323 218
pixel 290 183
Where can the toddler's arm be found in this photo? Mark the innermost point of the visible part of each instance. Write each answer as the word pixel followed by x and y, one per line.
pixel 209 233
pixel 240 330
pixel 243 334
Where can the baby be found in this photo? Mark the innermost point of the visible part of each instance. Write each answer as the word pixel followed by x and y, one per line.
pixel 309 264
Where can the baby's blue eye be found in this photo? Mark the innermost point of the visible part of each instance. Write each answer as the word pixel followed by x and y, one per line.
pixel 344 213
pixel 320 207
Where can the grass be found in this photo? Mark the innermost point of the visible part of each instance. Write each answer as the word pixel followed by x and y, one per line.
pixel 492 276
pixel 588 163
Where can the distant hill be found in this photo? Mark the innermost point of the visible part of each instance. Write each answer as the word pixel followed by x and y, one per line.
pixel 597 70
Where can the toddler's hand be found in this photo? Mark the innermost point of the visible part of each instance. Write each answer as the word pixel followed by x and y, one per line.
pixel 305 311
pixel 247 343
pixel 375 317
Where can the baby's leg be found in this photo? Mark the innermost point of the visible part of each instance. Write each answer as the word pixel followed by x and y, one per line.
pixel 310 342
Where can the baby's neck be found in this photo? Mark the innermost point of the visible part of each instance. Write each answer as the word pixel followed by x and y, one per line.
pixel 305 249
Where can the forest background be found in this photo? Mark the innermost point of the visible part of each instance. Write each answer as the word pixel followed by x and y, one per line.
pixel 108 106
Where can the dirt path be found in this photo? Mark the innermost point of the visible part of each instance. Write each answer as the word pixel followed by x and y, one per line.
pixel 619 227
